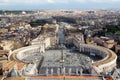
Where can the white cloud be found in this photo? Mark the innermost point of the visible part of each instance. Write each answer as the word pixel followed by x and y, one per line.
pixel 51 1
pixel 104 1
pixel 15 2
pixel 32 2
pixel 57 1
pixel 81 1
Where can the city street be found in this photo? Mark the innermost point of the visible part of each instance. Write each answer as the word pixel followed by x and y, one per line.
pixel 61 35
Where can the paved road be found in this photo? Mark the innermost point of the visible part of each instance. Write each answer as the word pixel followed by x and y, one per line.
pixel 61 34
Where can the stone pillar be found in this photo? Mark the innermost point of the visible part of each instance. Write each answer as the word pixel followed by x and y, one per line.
pixel 42 48
pixel 83 49
pixel 36 71
pixel 58 71
pixel 47 70
pixel 80 48
pixel 81 70
pixel 63 70
pixel 70 71
pixel 77 71
pixel 51 71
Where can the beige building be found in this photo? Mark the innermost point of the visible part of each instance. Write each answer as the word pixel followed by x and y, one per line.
pixel 51 30
pixel 10 45
pixel 78 38
pixel 117 48
pixel 105 42
pixel 41 40
pixel 73 35
pixel 2 31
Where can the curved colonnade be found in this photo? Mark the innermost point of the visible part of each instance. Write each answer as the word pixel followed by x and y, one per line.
pixel 108 61
pixel 24 52
pixel 106 64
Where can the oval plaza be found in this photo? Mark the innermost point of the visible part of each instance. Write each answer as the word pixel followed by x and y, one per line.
pixel 41 59
pixel 64 62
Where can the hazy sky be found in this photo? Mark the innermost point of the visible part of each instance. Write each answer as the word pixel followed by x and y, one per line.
pixel 58 4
